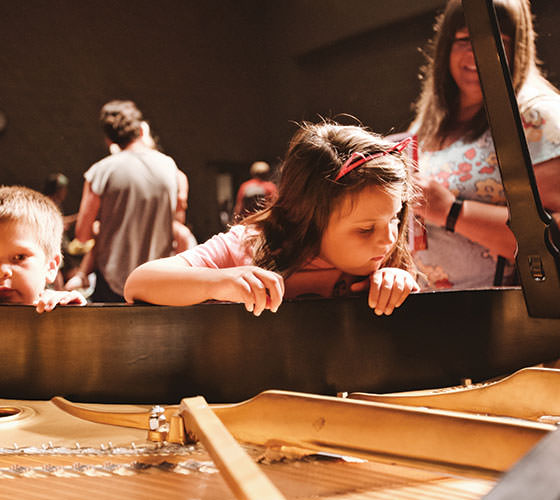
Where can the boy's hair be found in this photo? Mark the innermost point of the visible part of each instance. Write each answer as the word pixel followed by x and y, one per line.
pixel 438 104
pixel 291 229
pixel 26 206
pixel 121 122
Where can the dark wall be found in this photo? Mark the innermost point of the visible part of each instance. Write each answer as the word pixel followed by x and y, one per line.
pixel 193 67
pixel 221 81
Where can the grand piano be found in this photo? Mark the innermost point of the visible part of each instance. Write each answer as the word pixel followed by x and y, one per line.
pixel 121 359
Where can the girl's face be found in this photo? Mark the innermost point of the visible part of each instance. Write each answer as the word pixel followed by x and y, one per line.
pixel 362 231
pixel 462 66
pixel 24 267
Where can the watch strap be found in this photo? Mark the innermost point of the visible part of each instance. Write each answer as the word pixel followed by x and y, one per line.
pixel 453 215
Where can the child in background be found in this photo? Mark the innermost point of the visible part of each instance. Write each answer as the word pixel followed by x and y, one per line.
pixel 31 229
pixel 337 227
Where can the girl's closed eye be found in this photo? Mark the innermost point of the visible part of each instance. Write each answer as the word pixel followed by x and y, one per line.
pixel 370 229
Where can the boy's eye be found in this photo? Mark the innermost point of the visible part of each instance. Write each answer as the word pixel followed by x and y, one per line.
pixel 366 230
pixel 20 257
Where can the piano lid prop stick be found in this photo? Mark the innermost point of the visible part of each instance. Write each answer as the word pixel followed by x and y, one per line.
pixel 241 474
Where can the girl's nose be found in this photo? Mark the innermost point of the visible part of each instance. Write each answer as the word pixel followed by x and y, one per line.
pixel 387 236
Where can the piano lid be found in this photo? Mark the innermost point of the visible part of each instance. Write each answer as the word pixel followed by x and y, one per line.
pixel 538 257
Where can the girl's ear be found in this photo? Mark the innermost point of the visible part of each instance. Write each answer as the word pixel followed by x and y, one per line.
pixel 52 267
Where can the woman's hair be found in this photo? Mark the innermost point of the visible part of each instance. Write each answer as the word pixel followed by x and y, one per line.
pixel 438 105
pixel 26 206
pixel 121 122
pixel 291 229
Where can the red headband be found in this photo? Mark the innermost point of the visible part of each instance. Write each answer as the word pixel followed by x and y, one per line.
pixel 357 159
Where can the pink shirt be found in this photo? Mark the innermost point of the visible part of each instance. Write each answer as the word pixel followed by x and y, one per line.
pixel 318 278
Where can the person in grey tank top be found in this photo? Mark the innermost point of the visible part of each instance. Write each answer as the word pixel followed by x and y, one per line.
pixel 134 194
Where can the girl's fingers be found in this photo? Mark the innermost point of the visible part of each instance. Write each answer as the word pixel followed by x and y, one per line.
pixel 389 288
pixel 247 297
pixel 265 291
pixel 275 288
pixel 410 286
pixel 397 288
pixel 386 295
pixel 270 291
pixel 259 294
pixel 374 289
pixel 258 289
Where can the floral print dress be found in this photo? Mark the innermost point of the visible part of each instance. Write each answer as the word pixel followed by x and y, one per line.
pixel 470 171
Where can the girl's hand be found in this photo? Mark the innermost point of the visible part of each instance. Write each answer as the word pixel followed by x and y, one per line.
pixel 388 288
pixel 253 286
pixel 50 298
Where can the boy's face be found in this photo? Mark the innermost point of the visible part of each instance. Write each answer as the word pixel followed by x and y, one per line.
pixel 25 270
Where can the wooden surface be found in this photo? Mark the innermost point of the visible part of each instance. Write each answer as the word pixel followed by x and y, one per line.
pixel 140 354
pixel 184 472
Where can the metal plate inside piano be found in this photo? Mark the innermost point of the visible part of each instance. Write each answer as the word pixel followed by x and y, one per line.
pixel 46 453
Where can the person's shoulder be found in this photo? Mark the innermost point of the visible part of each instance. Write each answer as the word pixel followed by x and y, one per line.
pixel 541 119
pixel 160 158
pixel 532 101
pixel 242 231
pixel 247 183
pixel 156 153
pixel 106 163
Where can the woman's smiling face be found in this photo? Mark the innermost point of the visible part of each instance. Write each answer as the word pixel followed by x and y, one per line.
pixel 462 66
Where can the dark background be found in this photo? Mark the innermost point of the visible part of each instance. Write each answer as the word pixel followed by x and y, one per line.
pixel 221 81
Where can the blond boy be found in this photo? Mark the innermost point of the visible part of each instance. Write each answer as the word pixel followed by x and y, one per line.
pixel 30 250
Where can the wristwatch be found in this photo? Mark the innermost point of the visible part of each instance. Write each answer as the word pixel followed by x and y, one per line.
pixel 453 215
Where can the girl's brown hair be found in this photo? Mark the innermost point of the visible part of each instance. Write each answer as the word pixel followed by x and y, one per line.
pixel 291 229
pixel 438 105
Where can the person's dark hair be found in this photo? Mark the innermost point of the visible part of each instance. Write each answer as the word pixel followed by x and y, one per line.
pixel 291 229
pixel 437 107
pixel 53 183
pixel 121 122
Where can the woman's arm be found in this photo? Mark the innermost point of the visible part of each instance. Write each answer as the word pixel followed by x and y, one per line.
pixel 480 222
pixel 171 281
pixel 485 223
pixel 89 206
pixel 547 175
